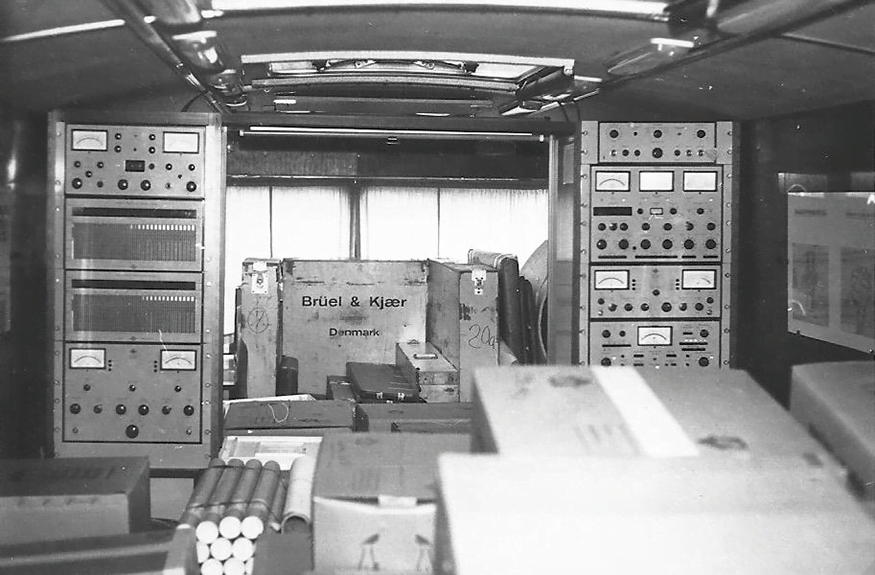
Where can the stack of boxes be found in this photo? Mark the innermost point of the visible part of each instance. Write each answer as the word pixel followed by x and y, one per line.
pixel 611 470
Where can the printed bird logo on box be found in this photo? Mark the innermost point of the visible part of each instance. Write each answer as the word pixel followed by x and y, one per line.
pixel 368 558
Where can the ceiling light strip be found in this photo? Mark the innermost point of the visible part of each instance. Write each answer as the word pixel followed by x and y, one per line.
pixel 642 8
pixel 404 55
pixel 379 133
pixel 63 31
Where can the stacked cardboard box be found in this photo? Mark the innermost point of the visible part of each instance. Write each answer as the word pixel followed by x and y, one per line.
pixel 684 516
pixel 611 470
pixel 835 401
pixel 374 500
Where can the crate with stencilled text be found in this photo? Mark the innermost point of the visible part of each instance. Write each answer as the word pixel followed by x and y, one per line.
pixel 462 318
pixel 421 363
pixel 338 311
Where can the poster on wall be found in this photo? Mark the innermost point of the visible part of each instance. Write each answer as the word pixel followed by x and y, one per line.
pixel 831 257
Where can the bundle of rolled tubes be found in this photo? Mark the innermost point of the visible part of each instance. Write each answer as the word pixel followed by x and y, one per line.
pixel 231 506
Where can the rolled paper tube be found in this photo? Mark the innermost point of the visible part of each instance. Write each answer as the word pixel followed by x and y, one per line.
pixel 249 566
pixel 194 509
pixel 235 511
pixel 208 528
pixel 234 567
pixel 242 548
pixel 203 552
pixel 296 508
pixel 276 510
pixel 262 498
pixel 220 549
pixel 212 567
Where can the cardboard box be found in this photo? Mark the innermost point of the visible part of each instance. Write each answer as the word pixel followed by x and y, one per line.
pixel 258 327
pixel 340 311
pixel 381 417
pixel 618 411
pixel 159 552
pixel 48 499
pixel 462 320
pixel 836 402
pixel 685 516
pixel 423 364
pixel 286 415
pixel 282 449
pixel 283 553
pixel 374 500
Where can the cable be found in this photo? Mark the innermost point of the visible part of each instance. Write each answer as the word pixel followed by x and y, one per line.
pixel 193 100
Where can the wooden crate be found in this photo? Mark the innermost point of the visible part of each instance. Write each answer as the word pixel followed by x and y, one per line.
pixel 462 319
pixel 337 311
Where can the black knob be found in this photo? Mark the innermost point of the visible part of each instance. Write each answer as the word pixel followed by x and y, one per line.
pixel 168 166
pixel 602 227
pixel 152 137
pixel 690 226
pixel 709 299
pixel 100 165
pixel 151 149
pixel 673 211
pixel 667 244
pixel 145 185
pixel 612 307
pixel 118 136
pixel 628 307
pixel 177 388
pixel 711 244
pixel 657 152
pixel 657 133
pixel 606 361
pixel 614 133
pixel 191 167
pixel 132 387
pixel 143 409
pixel 613 226
pixel 645 306
pixel 601 244
pixel 98 408
pixel 606 333
pixel 666 307
pixel 666 226
pixel 121 409
pixel 191 186
pixel 645 226
pixel 700 134
pixel 624 226
pixel 87 387
pixel 645 244
pixel 77 183
pixel 700 211
pixel 88 173
pixel 188 410
pixel 656 292
pixel 700 306
pixel 683 307
pixel 118 149
pixel 689 244
pixel 123 184
pixel 703 362
pixel 601 301
pixel 624 243
pixel 132 431
pixel 75 408
pixel 166 410
pixel 711 226
pixel 77 164
pixel 703 333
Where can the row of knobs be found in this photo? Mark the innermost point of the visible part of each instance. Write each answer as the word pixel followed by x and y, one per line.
pixel 666 244
pixel 703 361
pixel 666 306
pixel 122 409
pixel 123 184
